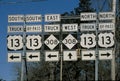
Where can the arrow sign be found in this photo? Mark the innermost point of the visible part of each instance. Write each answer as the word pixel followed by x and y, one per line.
pixel 70 55
pixel 90 54
pixel 50 56
pixel 14 57
pixel 32 56
pixel 105 54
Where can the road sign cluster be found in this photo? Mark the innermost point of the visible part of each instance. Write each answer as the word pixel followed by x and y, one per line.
pixel 34 39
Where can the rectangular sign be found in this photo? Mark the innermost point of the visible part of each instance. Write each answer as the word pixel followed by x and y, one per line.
pixel 106 26
pixel 52 17
pixel 87 27
pixel 69 27
pixel 33 28
pixel 106 15
pixel 52 28
pixel 88 55
pixel 33 18
pixel 88 16
pixel 15 18
pixel 15 29
pixel 14 57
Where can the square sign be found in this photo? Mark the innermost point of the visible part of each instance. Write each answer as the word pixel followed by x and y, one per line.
pixel 69 55
pixel 14 57
pixel 51 56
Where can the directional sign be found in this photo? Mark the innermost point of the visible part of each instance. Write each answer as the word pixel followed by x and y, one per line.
pixel 70 41
pixel 52 28
pixel 14 42
pixel 51 42
pixel 88 16
pixel 106 40
pixel 33 56
pixel 14 57
pixel 34 28
pixel 106 26
pixel 33 18
pixel 106 15
pixel 88 55
pixel 51 56
pixel 88 40
pixel 52 17
pixel 15 29
pixel 105 54
pixel 15 18
pixel 33 42
pixel 69 27
pixel 87 27
pixel 69 55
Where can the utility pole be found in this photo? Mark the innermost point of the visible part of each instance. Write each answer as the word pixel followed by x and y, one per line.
pixel 113 57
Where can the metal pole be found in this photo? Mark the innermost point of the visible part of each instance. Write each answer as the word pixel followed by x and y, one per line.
pixel 113 55
pixel 61 63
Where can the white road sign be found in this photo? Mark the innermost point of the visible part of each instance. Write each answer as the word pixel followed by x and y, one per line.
pixel 88 16
pixel 105 54
pixel 51 56
pixel 69 55
pixel 106 26
pixel 15 18
pixel 14 57
pixel 33 42
pixel 106 40
pixel 51 41
pixel 34 28
pixel 70 41
pixel 88 55
pixel 106 15
pixel 88 40
pixel 52 17
pixel 14 42
pixel 32 56
pixel 15 29
pixel 52 28
pixel 69 27
pixel 33 18
pixel 87 26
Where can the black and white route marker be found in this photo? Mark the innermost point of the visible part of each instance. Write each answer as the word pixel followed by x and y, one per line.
pixel 105 54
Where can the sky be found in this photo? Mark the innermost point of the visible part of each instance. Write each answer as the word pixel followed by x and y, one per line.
pixel 45 7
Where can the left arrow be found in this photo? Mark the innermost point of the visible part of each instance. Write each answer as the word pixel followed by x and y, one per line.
pixel 13 57
pixel 33 56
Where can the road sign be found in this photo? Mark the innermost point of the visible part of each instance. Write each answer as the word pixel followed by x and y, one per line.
pixel 106 26
pixel 51 56
pixel 52 28
pixel 34 28
pixel 88 55
pixel 87 26
pixel 88 40
pixel 88 16
pixel 14 57
pixel 51 42
pixel 14 42
pixel 70 41
pixel 69 27
pixel 106 15
pixel 69 55
pixel 33 18
pixel 33 42
pixel 32 56
pixel 106 40
pixel 52 17
pixel 15 18
pixel 15 29
pixel 105 54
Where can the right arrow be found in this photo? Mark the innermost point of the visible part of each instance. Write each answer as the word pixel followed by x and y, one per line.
pixel 13 57
pixel 107 54
pixel 90 54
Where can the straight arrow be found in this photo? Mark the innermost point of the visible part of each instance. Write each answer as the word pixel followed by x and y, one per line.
pixel 107 54
pixel 14 57
pixel 90 54
pixel 50 56
pixel 70 55
pixel 31 56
